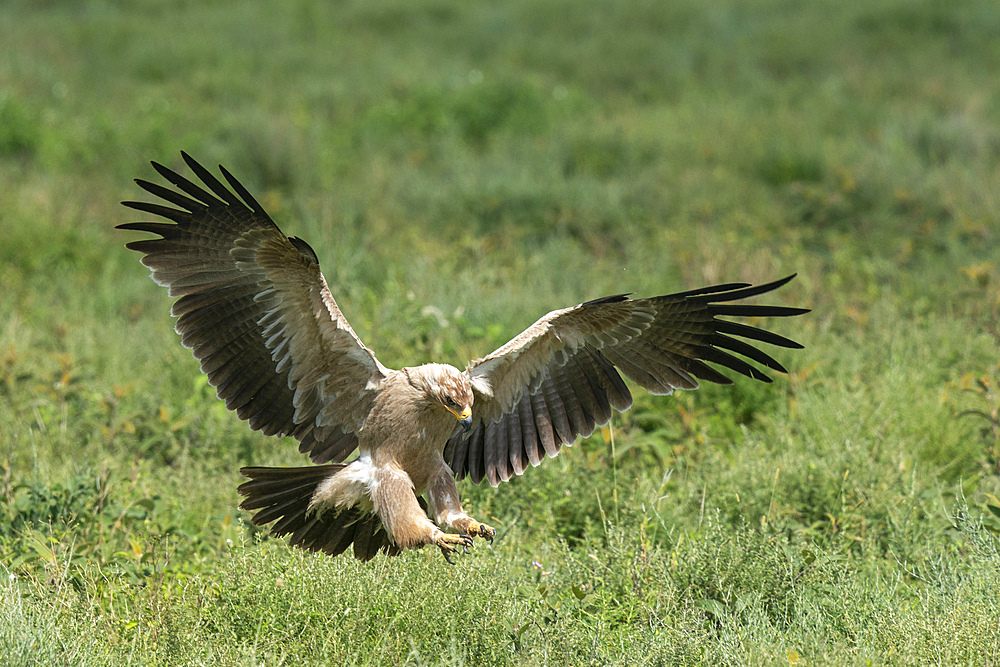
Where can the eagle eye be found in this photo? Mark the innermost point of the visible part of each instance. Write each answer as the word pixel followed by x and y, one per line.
pixel 451 402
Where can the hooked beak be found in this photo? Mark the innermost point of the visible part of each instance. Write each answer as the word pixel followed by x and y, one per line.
pixel 465 419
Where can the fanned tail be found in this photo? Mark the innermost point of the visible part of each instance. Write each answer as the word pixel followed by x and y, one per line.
pixel 282 495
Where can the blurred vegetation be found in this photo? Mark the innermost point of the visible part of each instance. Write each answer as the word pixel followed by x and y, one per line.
pixel 461 169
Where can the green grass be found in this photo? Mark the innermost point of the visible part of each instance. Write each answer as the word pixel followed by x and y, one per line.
pixel 462 169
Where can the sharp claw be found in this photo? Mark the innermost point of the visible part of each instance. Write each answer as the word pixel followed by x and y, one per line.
pixel 451 544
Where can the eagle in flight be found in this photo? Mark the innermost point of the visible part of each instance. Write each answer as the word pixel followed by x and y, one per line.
pixel 257 313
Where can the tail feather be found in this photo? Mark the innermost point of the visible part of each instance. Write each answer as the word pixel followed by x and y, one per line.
pixel 366 539
pixel 287 508
pixel 339 537
pixel 308 526
pixel 283 495
pixel 264 497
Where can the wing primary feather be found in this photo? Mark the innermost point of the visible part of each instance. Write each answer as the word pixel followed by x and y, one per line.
pixel 753 333
pixel 178 216
pixel 714 289
pixel 703 371
pixel 743 291
pixel 747 350
pixel 637 373
pixel 243 192
pixel 749 310
pixel 212 182
pixel 723 358
pixel 161 228
pixel 175 198
pixel 187 186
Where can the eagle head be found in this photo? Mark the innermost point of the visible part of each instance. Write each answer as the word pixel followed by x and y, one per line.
pixel 447 387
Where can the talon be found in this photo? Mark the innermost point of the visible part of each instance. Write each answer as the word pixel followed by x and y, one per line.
pixel 486 532
pixel 450 544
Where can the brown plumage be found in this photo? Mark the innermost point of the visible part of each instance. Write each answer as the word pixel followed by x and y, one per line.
pixel 257 313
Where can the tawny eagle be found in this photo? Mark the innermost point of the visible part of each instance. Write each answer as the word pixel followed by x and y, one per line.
pixel 257 313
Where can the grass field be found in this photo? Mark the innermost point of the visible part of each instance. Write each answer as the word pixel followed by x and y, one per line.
pixel 462 168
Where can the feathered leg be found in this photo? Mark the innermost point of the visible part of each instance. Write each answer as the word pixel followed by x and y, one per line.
pixel 447 509
pixel 404 518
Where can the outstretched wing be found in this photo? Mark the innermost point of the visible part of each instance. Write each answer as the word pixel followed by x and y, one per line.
pixel 559 378
pixel 257 313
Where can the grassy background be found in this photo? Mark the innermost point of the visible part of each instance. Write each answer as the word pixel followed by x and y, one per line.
pixel 461 168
